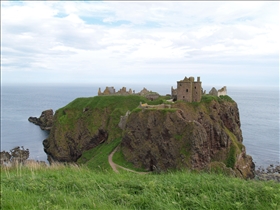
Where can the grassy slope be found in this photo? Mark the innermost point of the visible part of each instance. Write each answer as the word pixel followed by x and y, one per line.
pixel 97 158
pixel 72 187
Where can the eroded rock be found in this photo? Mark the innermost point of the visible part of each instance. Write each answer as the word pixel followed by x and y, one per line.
pixel 45 121
pixel 191 137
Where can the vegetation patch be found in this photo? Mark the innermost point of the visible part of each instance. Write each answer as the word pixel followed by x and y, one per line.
pixel 119 159
pixel 231 158
pixel 97 158
pixel 71 187
pixel 208 98
pixel 226 98
pixel 220 168
pixel 178 137
pixel 97 112
pixel 234 150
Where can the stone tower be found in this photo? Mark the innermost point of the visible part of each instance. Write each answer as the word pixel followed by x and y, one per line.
pixel 189 90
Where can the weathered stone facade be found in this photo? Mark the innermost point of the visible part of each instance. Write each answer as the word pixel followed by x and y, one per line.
pixel 146 93
pixel 112 91
pixel 220 92
pixel 188 90
pixel 213 92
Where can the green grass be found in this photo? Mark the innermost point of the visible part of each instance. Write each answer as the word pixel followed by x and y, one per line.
pixel 92 114
pixel 230 161
pixel 209 98
pixel 72 187
pixel 226 98
pixel 97 158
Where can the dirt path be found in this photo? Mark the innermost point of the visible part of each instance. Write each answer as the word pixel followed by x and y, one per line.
pixel 115 166
pixel 110 160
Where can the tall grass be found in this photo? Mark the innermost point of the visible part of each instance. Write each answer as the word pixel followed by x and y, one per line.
pixel 70 187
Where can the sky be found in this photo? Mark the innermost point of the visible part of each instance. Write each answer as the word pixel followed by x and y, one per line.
pixel 131 43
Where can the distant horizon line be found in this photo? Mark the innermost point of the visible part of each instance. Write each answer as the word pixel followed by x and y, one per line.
pixel 129 85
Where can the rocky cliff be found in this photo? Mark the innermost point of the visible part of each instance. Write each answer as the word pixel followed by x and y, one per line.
pixel 203 135
pixel 199 136
pixel 85 123
pixel 45 121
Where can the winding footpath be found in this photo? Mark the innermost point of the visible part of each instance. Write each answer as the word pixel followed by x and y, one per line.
pixel 114 166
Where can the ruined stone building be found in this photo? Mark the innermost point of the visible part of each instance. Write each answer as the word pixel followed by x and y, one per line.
pixel 112 91
pixel 145 93
pixel 220 92
pixel 188 90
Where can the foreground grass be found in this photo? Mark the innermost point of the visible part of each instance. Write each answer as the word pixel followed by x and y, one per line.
pixel 73 187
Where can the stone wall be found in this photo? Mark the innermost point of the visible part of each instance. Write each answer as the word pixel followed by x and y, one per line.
pixel 144 92
pixel 189 90
pixel 222 91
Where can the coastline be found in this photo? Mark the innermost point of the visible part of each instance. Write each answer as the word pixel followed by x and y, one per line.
pixel 16 130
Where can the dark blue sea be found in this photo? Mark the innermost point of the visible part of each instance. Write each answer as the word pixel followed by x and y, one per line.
pixel 259 114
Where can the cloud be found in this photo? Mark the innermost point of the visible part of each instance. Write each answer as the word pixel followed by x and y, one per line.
pixel 103 40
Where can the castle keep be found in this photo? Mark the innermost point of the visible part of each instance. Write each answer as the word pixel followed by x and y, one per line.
pixel 188 90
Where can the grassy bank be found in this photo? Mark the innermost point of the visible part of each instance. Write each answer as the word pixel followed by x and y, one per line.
pixel 73 187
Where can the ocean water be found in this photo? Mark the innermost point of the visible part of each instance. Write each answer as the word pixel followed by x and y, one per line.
pixel 259 114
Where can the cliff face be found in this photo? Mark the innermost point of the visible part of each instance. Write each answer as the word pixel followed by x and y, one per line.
pixel 84 124
pixel 74 132
pixel 196 136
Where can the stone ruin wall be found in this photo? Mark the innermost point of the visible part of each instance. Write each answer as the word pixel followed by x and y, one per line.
pixel 144 92
pixel 112 91
pixel 188 90
pixel 220 92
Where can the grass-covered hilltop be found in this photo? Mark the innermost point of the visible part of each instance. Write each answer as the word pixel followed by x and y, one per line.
pixel 128 152
pixel 156 135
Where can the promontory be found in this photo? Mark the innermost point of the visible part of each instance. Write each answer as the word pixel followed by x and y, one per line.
pixel 187 129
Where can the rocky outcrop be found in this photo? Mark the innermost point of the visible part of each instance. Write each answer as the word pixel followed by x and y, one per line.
pixel 157 141
pixel 203 135
pixel 270 173
pixel 76 143
pixel 75 131
pixel 45 121
pixel 190 136
pixel 16 155
pixel 123 120
pixel 86 123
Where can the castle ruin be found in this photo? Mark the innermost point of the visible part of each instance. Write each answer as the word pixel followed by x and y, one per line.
pixel 146 93
pixel 220 92
pixel 112 91
pixel 188 90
